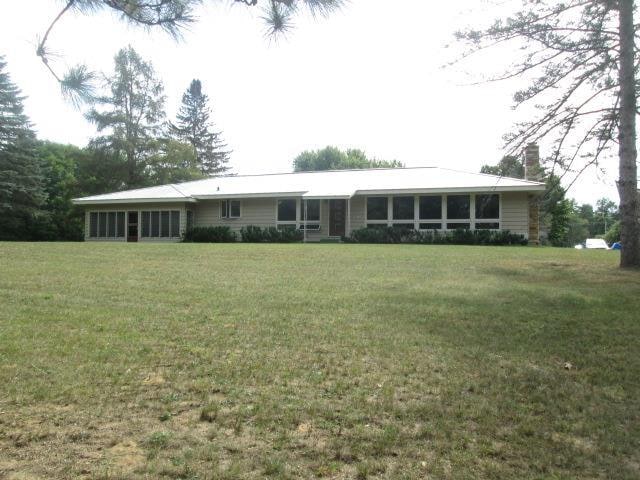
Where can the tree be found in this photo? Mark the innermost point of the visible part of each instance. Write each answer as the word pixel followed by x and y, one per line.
pixel 509 166
pixel 332 158
pixel 169 15
pixel 605 215
pixel 21 182
pixel 581 56
pixel 133 116
pixel 174 162
pixel 193 125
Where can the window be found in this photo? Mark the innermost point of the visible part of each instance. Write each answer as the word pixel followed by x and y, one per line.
pixel 175 223
pixel 155 224
pixel 120 227
pixel 102 224
pixel 430 226
pixel 161 224
pixel 377 208
pixel 287 210
pixel 488 206
pixel 93 224
pixel 106 224
pixel 164 224
pixel 403 208
pixel 313 214
pixel 488 226
pixel 189 219
pixel 430 208
pixel 377 225
pixel 405 226
pixel 457 226
pixel 230 209
pixel 458 207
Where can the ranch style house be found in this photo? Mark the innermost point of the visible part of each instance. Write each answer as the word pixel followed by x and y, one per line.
pixel 325 205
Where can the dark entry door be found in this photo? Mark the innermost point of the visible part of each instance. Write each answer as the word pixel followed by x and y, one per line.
pixel 132 227
pixel 337 217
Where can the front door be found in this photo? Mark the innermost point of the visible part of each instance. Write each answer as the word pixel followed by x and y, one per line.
pixel 337 217
pixel 132 227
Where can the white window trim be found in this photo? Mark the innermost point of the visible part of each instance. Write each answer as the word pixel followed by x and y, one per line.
pixel 228 200
pixel 405 221
pixel 443 214
pixel 488 220
pixel 387 221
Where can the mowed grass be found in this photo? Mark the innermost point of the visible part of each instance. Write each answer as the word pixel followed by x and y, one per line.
pixel 317 361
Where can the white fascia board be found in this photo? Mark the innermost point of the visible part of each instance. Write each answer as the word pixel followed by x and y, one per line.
pixel 249 195
pixel 522 188
pixel 80 201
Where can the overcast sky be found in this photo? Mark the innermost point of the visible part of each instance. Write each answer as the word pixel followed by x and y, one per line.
pixel 368 77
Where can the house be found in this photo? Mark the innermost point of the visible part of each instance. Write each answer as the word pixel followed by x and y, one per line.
pixel 328 204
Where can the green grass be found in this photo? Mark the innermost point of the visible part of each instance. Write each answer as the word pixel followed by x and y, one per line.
pixel 317 361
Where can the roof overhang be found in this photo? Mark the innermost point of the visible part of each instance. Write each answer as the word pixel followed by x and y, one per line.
pixel 81 201
pixel 222 196
pixel 521 188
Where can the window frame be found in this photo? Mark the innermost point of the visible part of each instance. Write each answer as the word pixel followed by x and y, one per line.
pixel 226 208
pixel 111 227
pixel 149 214
pixel 293 222
pixel 497 220
pixel 387 221
pixel 309 224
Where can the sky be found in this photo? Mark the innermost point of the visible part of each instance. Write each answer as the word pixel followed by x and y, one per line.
pixel 371 76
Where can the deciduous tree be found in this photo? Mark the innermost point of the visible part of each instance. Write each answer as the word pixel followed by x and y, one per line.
pixel 332 158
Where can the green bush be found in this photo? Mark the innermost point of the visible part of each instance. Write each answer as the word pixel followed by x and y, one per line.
pixel 613 234
pixel 209 235
pixel 435 237
pixel 253 234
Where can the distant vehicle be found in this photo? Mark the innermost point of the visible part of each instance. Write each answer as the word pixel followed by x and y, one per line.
pixel 593 244
pixel 616 246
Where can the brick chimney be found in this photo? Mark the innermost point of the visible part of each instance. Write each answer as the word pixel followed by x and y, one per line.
pixel 532 162
pixel 533 172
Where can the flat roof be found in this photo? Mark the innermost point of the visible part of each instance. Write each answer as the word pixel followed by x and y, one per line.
pixel 322 184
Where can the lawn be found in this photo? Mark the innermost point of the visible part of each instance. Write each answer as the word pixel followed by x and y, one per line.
pixel 317 361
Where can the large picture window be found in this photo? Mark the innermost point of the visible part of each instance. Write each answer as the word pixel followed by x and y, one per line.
pixel 230 209
pixel 377 208
pixel 430 207
pixel 161 224
pixel 488 206
pixel 287 210
pixel 106 224
pixel 458 207
pixel 403 208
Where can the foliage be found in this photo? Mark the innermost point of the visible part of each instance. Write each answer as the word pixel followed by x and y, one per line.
pixel 209 235
pixel 172 16
pixel 172 162
pixel 254 234
pixel 509 166
pixel 435 237
pixel 560 214
pixel 22 190
pixel 332 158
pixel 133 116
pixel 193 126
pixel 613 234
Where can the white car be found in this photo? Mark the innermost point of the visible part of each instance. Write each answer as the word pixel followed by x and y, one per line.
pixel 593 243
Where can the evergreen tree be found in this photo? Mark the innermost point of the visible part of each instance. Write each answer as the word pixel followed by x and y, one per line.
pixel 21 182
pixel 134 115
pixel 194 126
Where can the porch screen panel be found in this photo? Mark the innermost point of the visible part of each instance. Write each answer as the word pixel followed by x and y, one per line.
pixel 102 224
pixel 175 223
pixel 164 224
pixel 155 224
pixel 93 224
pixel 111 225
pixel 120 225
pixel 146 224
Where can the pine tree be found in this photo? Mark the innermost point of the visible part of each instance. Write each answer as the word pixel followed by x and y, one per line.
pixel 133 117
pixel 21 181
pixel 193 126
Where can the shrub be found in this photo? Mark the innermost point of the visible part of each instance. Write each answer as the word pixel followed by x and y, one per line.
pixel 435 237
pixel 209 235
pixel 253 234
pixel 613 234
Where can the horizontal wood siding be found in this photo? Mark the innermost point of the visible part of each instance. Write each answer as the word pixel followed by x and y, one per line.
pixel 260 212
pixel 515 212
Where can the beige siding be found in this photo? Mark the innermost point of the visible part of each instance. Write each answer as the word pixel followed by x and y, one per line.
pixel 138 207
pixel 515 212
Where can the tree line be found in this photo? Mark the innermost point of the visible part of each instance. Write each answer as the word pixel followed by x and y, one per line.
pixel 136 147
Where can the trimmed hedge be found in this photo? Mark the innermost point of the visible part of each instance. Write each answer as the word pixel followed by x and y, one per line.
pixel 209 235
pixel 435 237
pixel 253 234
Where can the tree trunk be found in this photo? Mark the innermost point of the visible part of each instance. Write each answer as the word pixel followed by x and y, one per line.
pixel 628 181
